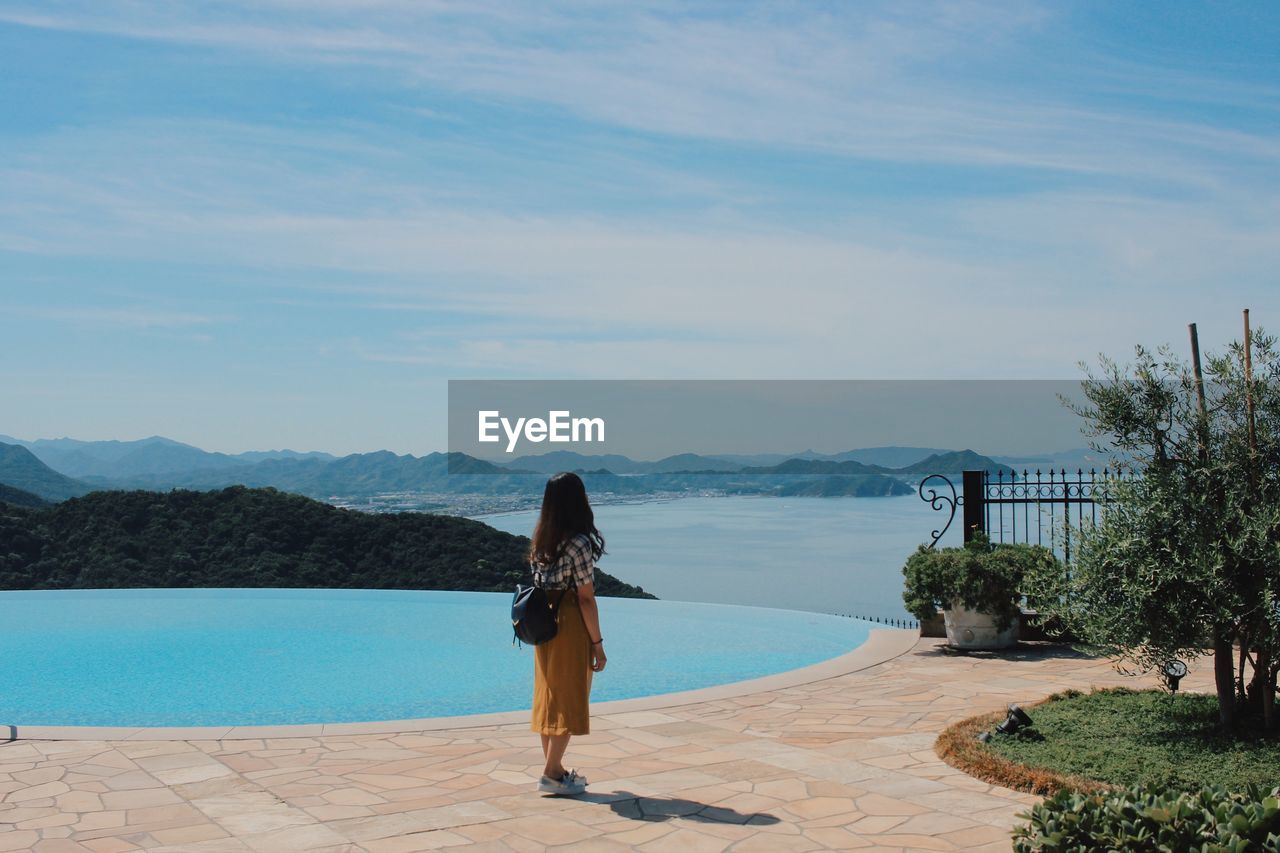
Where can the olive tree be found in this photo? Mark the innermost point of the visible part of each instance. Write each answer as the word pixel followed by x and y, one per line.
pixel 1185 558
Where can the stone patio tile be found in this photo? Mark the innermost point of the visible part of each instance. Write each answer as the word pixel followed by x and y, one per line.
pixel 99 820
pixel 770 844
pixel 876 824
pixel 58 845
pixel 836 838
pixel 636 833
pixel 109 845
pixel 548 830
pixel 604 845
pixel 915 842
pixel 688 841
pixel 978 836
pixel 18 840
pixel 324 813
pixel 434 840
pixel 204 771
pixel 189 834
pixel 936 823
pixel 879 804
pixel 251 814
pixel 31 793
pixel 139 798
pixel 443 817
pixel 213 788
pixel 637 720
pixel 905 786
pixel 217 845
pixel 312 837
pixel 820 807
pixel 789 788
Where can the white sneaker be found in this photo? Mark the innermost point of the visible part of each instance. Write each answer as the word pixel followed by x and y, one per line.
pixel 568 785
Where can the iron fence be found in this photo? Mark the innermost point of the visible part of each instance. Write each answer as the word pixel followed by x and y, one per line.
pixel 1033 507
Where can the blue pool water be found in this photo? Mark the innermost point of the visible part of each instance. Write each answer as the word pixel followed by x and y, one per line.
pixel 274 657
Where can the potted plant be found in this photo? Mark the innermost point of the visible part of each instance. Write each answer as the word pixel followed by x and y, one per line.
pixel 977 587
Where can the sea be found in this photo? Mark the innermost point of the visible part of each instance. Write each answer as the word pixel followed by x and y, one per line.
pixel 826 555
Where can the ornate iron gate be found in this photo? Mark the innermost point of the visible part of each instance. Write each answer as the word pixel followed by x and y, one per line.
pixel 1037 508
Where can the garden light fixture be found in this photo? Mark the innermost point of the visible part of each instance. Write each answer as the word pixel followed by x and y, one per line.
pixel 1173 671
pixel 1017 719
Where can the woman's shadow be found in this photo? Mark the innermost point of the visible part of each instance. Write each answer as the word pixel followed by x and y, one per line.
pixel 658 809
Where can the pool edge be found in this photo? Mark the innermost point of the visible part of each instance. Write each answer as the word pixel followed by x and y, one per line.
pixel 882 645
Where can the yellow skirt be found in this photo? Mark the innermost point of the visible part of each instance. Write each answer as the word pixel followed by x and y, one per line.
pixel 562 675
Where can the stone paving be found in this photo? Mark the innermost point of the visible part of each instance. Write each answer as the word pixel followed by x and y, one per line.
pixel 844 763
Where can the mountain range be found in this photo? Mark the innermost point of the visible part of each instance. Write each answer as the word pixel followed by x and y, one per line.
pixel 21 470
pixel 155 455
pixel 55 469
pixel 568 460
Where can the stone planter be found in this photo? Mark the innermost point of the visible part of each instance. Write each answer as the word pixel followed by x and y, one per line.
pixel 973 629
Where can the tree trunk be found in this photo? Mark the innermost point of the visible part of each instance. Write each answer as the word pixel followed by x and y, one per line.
pixel 1241 688
pixel 1268 690
pixel 1271 697
pixel 1224 672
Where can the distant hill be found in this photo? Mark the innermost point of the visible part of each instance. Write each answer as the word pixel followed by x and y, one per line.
pixel 157 455
pixel 689 462
pixel 17 497
pixel 161 463
pixel 20 469
pixel 77 458
pixel 951 464
pixel 822 467
pixel 241 537
pixel 888 457
pixel 260 455
pixel 356 474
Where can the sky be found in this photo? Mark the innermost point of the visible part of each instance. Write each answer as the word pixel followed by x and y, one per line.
pixel 288 223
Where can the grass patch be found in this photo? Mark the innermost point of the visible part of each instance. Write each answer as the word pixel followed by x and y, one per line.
pixel 1121 737
pixel 958 745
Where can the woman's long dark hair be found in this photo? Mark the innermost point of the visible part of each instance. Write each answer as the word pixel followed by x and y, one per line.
pixel 566 512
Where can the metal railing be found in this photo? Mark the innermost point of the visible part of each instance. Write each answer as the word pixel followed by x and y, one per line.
pixel 1032 507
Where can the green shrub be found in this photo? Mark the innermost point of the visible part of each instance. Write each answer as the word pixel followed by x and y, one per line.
pixel 981 576
pixel 1153 818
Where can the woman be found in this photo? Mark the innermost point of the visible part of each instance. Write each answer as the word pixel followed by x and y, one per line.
pixel 563 555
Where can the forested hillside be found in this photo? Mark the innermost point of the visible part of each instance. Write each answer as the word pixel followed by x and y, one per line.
pixel 20 469
pixel 241 537
pixel 18 497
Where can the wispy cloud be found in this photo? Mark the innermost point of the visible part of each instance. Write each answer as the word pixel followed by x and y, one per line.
pixel 869 80
pixel 131 317
pixel 746 296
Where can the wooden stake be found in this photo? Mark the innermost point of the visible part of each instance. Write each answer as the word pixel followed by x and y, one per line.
pixel 1199 374
pixel 1248 391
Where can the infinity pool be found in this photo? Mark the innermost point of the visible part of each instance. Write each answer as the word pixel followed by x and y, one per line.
pixel 274 657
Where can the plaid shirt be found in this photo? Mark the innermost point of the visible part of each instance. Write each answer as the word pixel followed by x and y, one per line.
pixel 576 566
